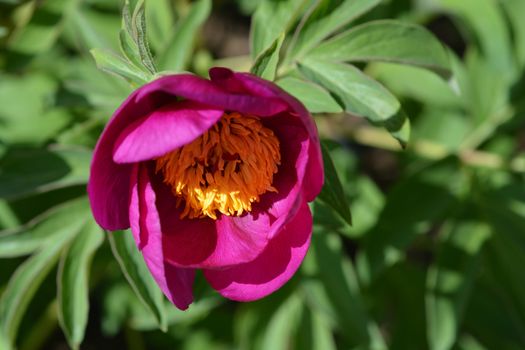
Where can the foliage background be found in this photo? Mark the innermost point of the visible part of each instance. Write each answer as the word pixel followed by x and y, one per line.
pixel 433 259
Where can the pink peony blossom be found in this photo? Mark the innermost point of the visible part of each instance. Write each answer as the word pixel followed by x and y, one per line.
pixel 213 175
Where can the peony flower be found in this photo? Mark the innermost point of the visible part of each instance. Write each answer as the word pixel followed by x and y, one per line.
pixel 213 175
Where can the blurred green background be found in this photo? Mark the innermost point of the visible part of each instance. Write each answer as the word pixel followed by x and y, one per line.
pixel 435 256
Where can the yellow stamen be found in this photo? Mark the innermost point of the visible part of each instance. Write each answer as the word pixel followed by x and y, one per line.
pixel 224 170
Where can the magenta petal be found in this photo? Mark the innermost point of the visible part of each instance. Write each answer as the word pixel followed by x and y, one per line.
pixel 164 130
pixel 196 89
pixel 207 243
pixel 250 84
pixel 273 268
pixel 108 186
pixel 176 283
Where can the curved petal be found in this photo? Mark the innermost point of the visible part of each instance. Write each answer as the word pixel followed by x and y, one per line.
pixel 273 268
pixel 109 182
pixel 176 283
pixel 250 84
pixel 294 142
pixel 202 243
pixel 196 89
pixel 108 186
pixel 164 130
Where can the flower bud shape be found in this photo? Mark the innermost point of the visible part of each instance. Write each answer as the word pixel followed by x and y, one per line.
pixel 213 175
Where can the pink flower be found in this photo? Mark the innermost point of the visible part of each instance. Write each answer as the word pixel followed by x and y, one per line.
pixel 213 175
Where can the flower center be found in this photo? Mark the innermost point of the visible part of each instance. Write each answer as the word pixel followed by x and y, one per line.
pixel 226 169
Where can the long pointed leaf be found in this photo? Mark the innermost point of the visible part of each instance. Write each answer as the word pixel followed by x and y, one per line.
pixel 137 274
pixel 72 283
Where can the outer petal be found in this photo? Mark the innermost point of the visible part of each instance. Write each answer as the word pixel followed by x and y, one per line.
pixel 203 91
pixel 273 268
pixel 248 83
pixel 176 283
pixel 108 186
pixel 164 130
pixel 203 243
pixel 109 182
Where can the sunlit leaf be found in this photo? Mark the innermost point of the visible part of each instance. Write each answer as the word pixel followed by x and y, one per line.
pixel 270 20
pixel 265 64
pixel 72 282
pixel 315 98
pixel 388 41
pixel 58 221
pixel 177 53
pixel 137 274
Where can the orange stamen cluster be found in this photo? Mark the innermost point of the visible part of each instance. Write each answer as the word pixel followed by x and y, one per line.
pixel 225 170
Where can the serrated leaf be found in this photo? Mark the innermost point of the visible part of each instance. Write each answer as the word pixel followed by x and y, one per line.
pixel 387 41
pixel 314 97
pixel 450 280
pixel 360 95
pixel 24 283
pixel 178 51
pixel 112 63
pixel 319 29
pixel 58 221
pixel 332 193
pixel 270 20
pixel 72 283
pixel 137 274
pixel 27 171
pixel 265 65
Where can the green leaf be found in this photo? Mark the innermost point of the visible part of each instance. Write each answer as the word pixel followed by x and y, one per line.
pixel 58 221
pixel 514 9
pixel 360 95
pixel 139 31
pixel 130 50
pixel 25 116
pixel 86 28
pixel 406 81
pixel 286 318
pixel 27 171
pixel 486 19
pixel 332 193
pixel 407 213
pixel 24 283
pixel 111 63
pixel 179 49
pixel 319 29
pixel 450 280
pixel 315 333
pixel 340 286
pixel 388 41
pixel 136 272
pixel 72 283
pixel 41 33
pixel 265 65
pixel 270 20
pixel 160 20
pixel 314 97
